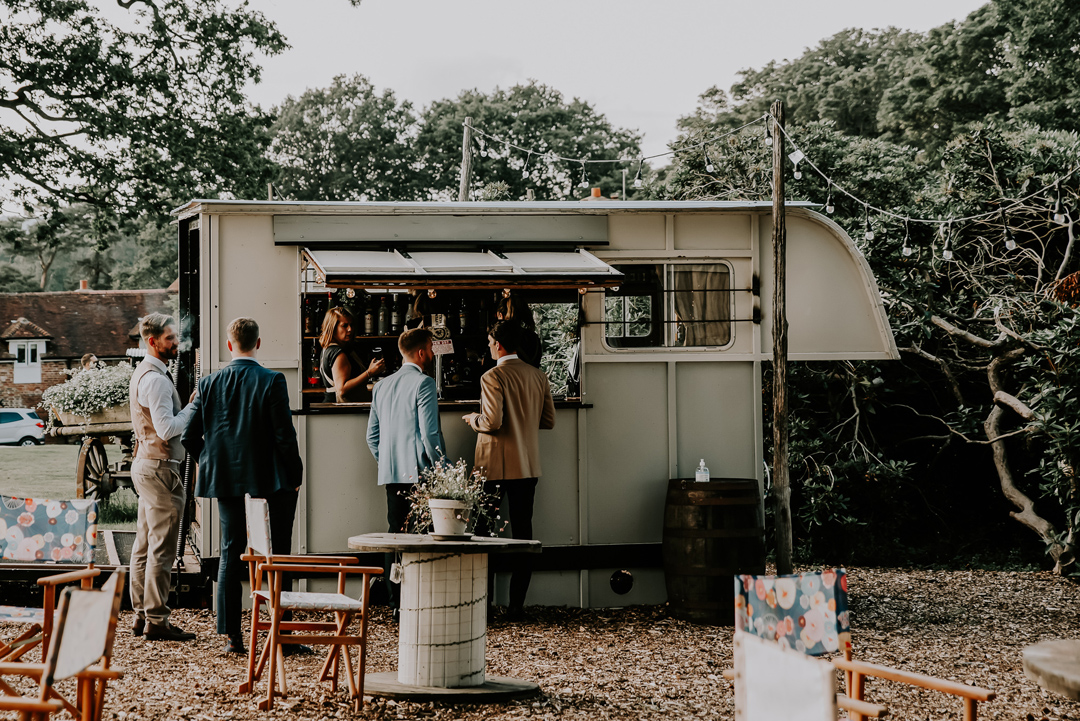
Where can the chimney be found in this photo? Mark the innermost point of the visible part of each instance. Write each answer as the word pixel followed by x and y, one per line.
pixel 84 285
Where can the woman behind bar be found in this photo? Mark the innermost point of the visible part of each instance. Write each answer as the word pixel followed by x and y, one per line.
pixel 517 311
pixel 341 368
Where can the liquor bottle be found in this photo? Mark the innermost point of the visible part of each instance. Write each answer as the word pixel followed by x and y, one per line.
pixel 313 376
pixel 309 316
pixel 702 475
pixel 463 317
pixel 369 315
pixel 395 315
pixel 384 317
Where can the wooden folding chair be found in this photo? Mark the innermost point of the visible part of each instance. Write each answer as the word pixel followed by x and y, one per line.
pixel 82 637
pixel 47 535
pixel 265 572
pixel 776 683
pixel 809 612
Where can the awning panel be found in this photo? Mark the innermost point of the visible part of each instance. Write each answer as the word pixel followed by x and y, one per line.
pixel 460 269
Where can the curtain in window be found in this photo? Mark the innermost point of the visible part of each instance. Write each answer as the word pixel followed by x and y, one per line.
pixel 702 304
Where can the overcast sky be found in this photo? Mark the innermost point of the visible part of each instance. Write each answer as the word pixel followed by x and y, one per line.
pixel 641 63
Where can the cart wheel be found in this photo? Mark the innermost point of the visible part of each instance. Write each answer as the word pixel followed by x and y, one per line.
pixel 91 474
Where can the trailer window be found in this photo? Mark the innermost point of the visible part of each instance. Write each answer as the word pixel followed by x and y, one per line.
pixel 673 305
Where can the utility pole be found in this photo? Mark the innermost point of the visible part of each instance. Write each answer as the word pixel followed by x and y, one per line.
pixel 781 478
pixel 466 161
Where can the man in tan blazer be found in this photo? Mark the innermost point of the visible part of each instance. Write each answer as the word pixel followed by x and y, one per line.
pixel 515 403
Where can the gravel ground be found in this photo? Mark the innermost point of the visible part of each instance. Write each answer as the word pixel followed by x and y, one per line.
pixel 634 663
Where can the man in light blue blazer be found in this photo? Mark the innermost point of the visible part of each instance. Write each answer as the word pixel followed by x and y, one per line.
pixel 404 433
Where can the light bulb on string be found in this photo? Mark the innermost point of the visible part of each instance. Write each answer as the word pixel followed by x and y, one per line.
pixel 584 178
pixel 709 167
pixel 1059 217
pixel 483 147
pixel 869 234
pixel 829 207
pixel 907 250
pixel 795 159
pixel 525 167
pixel 637 178
pixel 1010 239
pixel 768 133
pixel 946 232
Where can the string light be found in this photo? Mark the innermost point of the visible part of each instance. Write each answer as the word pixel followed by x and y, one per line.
pixel 869 228
pixel 525 167
pixel 1010 239
pixel 637 178
pixel 768 133
pixel 946 252
pixel 584 179
pixel 795 158
pixel 907 250
pixel 1059 217
pixel 708 163
pixel 829 207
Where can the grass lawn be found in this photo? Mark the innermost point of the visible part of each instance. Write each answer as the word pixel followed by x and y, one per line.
pixel 48 471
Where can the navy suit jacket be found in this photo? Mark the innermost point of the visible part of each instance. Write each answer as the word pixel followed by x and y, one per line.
pixel 403 430
pixel 242 433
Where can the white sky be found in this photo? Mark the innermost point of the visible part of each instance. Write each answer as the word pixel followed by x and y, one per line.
pixel 641 63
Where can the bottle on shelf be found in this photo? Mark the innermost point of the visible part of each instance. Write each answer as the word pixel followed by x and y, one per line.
pixel 463 317
pixel 309 316
pixel 397 315
pixel 313 379
pixel 369 315
pixel 702 474
pixel 384 317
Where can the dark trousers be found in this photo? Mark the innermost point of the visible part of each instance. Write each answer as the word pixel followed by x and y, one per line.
pixel 231 570
pixel 520 494
pixel 397 513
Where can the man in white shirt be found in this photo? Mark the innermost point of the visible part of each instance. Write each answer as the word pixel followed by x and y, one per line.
pixel 158 422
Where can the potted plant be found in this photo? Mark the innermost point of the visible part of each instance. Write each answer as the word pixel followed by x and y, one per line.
pixel 449 498
pixel 95 395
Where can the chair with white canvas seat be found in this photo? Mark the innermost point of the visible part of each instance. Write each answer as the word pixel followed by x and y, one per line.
pixel 266 574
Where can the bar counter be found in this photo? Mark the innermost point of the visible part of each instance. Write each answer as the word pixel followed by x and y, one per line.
pixel 463 406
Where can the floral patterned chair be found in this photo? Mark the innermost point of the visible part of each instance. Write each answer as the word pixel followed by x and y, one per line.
pixel 51 535
pixel 808 612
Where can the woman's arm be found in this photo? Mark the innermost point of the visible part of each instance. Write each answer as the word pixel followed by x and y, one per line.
pixel 343 385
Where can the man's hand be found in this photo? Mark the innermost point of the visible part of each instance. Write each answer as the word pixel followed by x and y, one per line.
pixel 193 394
pixel 469 418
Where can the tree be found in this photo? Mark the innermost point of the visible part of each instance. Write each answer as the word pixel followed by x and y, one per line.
pixel 45 239
pixel 1043 69
pixel 12 280
pixel 532 116
pixel 137 116
pixel 345 142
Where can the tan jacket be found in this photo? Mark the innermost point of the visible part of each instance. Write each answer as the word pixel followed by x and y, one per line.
pixel 515 403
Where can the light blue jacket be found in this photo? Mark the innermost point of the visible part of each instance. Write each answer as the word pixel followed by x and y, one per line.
pixel 403 430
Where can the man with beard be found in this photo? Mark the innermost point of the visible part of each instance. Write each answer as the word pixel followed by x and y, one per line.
pixel 157 421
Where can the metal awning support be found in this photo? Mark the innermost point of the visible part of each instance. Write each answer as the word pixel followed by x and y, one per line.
pixel 460 269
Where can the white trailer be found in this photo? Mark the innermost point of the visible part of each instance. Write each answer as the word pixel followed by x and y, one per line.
pixel 657 392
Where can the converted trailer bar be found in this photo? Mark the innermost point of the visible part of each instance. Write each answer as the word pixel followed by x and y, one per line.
pixel 670 299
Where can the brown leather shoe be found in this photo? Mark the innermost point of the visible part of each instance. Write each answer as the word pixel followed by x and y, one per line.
pixel 167 632
pixel 138 626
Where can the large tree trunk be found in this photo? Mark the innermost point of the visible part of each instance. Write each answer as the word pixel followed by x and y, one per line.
pixel 1064 555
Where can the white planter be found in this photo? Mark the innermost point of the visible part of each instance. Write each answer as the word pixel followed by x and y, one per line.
pixel 448 517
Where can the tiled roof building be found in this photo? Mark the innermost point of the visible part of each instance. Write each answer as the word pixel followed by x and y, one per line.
pixel 44 334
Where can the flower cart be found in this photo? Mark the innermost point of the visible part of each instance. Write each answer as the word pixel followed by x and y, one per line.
pixel 92 405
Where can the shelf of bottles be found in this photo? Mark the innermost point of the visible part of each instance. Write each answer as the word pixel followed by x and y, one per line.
pixel 379 317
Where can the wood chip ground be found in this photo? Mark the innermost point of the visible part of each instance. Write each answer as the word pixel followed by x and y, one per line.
pixel 638 663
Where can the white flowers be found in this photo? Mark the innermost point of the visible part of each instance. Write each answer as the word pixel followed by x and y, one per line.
pixel 89 391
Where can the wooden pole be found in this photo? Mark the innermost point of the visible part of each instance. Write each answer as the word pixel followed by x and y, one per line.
pixel 466 161
pixel 781 479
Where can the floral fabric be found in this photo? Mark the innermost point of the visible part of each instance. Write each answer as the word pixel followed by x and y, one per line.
pixel 308 601
pixel 18 614
pixel 45 531
pixel 806 611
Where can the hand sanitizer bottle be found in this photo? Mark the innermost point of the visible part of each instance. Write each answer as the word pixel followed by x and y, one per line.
pixel 702 475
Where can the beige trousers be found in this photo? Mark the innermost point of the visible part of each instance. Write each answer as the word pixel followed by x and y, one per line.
pixel 161 504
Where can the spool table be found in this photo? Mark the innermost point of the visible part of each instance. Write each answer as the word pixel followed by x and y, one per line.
pixel 1055 665
pixel 442 631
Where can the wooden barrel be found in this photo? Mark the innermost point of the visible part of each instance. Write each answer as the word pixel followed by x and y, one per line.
pixel 712 531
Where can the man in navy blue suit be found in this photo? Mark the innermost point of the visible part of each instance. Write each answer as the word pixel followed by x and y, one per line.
pixel 241 431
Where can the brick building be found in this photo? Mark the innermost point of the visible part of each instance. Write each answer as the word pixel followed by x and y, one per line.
pixel 42 335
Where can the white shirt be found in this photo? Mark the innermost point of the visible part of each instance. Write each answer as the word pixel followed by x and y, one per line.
pixel 156 393
pixel 414 365
pixel 512 356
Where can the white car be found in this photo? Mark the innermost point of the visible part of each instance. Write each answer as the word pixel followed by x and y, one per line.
pixel 21 426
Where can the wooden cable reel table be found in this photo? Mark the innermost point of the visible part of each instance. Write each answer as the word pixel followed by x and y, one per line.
pixel 442 633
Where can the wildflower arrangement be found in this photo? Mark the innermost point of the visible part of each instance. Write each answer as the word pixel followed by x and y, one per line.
pixel 457 483
pixel 88 391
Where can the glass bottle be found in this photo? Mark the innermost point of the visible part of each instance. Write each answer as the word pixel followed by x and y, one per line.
pixel 384 317
pixel 313 379
pixel 369 315
pixel 309 316
pixel 395 315
pixel 463 316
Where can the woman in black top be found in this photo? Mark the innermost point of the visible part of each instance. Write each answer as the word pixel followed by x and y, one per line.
pixel 516 310
pixel 340 368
